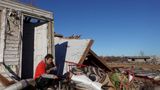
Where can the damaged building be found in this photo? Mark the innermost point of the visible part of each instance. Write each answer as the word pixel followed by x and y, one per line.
pixel 74 52
pixel 26 35
pixel 77 51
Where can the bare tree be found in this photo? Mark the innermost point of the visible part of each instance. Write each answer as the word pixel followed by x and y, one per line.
pixel 141 53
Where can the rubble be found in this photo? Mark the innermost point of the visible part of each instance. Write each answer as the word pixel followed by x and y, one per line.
pixel 145 74
pixel 74 53
pixel 24 28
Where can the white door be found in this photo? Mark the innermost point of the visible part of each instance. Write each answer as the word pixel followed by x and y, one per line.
pixel 40 43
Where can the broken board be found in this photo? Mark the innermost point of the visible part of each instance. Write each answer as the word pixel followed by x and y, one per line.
pixel 70 50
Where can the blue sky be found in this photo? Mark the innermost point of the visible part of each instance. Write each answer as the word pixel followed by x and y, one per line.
pixel 118 27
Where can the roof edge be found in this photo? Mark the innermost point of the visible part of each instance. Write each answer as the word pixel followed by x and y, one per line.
pixel 26 8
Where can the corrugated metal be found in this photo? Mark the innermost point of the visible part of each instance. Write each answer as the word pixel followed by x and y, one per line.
pixel 71 50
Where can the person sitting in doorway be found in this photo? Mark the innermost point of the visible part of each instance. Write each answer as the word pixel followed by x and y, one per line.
pixel 43 77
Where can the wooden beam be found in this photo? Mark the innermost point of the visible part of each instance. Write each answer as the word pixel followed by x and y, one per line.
pixel 25 8
pixel 2 36
pixel 86 52
pixel 102 61
pixel 5 81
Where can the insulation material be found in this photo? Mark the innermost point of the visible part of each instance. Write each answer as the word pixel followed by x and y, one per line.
pixel 130 77
pixel 71 50
pixel 94 74
pixel 12 37
pixel 11 40
pixel 82 81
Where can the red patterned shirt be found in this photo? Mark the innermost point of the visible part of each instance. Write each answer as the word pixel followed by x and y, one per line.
pixel 40 69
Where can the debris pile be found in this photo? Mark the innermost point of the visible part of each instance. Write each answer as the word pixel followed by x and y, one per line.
pixel 22 32
pixel 145 75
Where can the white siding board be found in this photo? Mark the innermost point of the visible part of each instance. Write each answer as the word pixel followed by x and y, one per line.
pixel 3 19
pixel 74 50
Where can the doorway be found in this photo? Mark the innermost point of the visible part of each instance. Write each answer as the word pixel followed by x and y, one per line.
pixel 34 44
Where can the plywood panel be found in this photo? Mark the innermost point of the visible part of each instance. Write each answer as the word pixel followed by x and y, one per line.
pixel 71 50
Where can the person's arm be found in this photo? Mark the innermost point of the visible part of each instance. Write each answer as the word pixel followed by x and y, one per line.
pixel 49 70
pixel 50 76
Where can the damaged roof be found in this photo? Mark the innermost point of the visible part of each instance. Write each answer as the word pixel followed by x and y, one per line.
pixel 26 9
pixel 76 51
pixel 103 62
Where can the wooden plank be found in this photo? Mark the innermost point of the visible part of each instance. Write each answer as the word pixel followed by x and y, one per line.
pixel 86 52
pixel 19 70
pixel 50 38
pixel 3 25
pixel 102 61
pixel 0 22
pixel 4 81
pixel 15 52
pixel 12 42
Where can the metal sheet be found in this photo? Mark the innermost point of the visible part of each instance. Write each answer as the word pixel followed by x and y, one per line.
pixel 71 50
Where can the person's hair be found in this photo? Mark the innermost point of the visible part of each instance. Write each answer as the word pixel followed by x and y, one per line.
pixel 48 56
